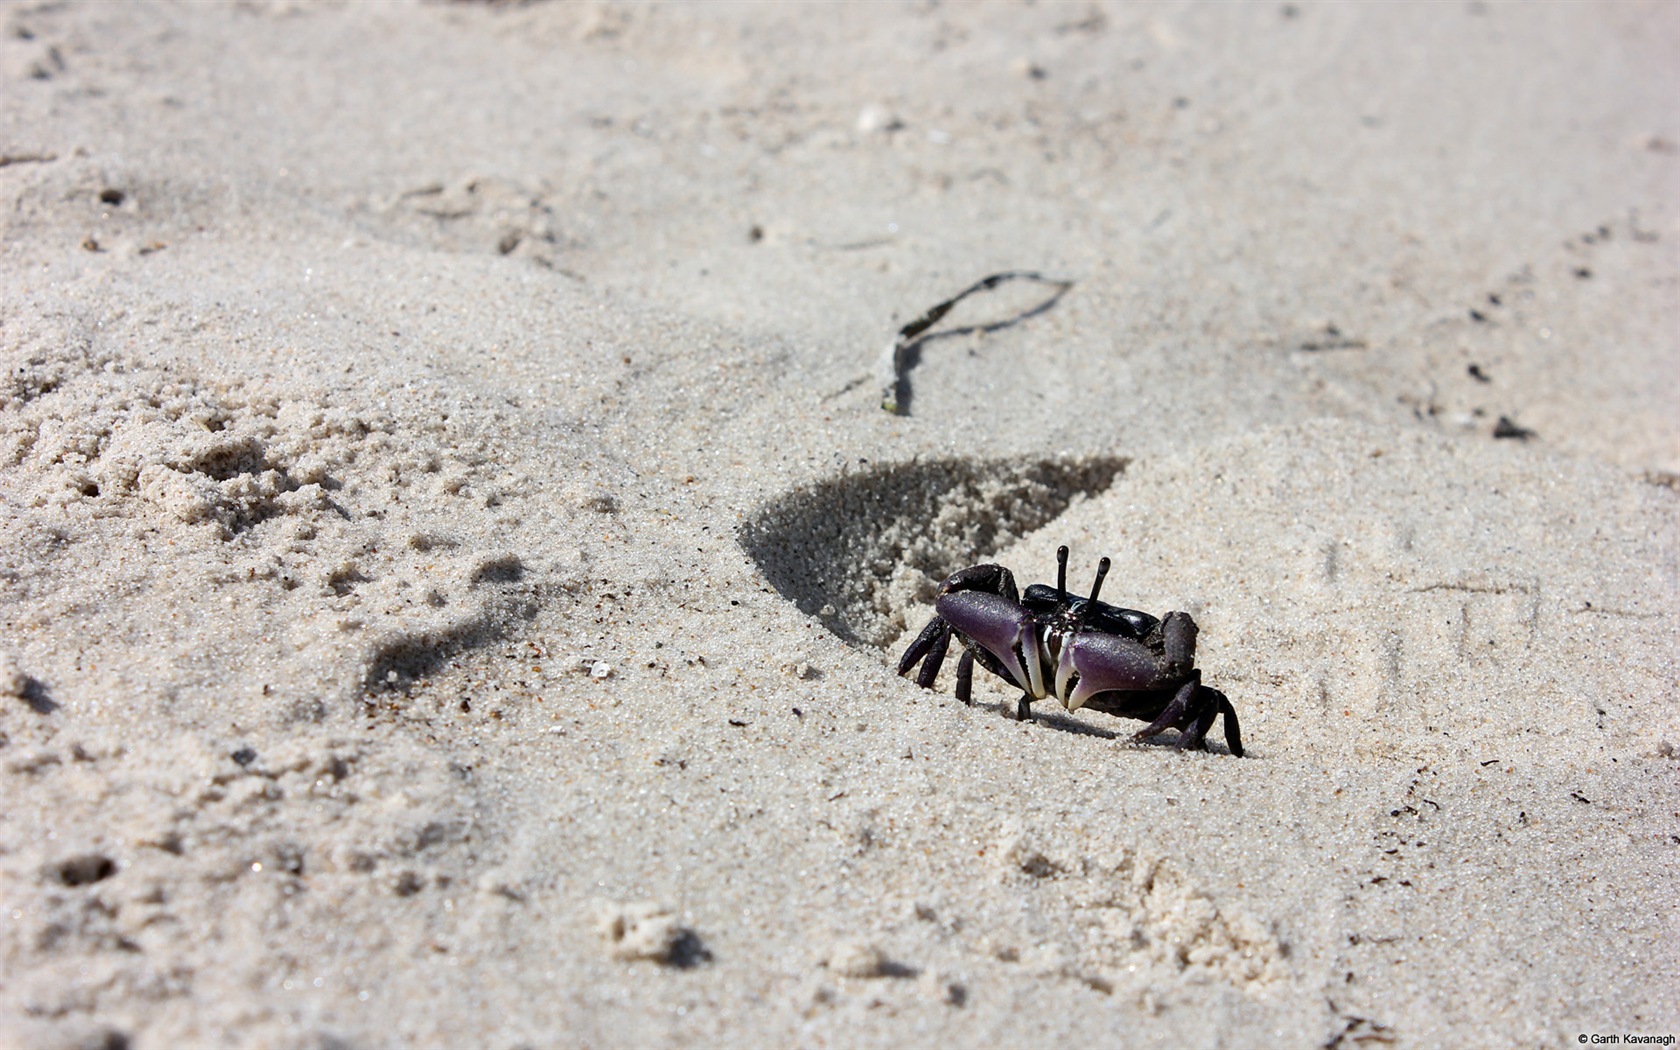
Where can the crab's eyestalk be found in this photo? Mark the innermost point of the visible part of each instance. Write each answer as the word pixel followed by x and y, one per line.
pixel 1061 573
pixel 1102 570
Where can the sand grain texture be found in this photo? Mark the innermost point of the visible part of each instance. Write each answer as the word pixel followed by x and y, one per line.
pixel 453 557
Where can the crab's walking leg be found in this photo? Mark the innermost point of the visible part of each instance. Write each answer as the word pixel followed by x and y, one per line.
pixel 924 643
pixel 1175 712
pixel 1194 735
pixel 965 678
pixel 1233 735
pixel 935 659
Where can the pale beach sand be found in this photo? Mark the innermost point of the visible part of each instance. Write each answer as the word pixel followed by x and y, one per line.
pixel 453 558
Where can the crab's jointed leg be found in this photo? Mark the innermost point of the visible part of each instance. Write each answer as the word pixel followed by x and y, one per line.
pixel 1174 715
pixel 965 678
pixel 935 657
pixel 937 632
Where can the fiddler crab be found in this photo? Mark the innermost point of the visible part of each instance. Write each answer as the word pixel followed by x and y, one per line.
pixel 1083 652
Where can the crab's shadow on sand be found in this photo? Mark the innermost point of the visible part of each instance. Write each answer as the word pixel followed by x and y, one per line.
pixel 1066 723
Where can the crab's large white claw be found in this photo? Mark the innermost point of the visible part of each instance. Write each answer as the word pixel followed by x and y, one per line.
pixel 1062 645
pixel 1108 662
pixel 1002 627
pixel 1027 645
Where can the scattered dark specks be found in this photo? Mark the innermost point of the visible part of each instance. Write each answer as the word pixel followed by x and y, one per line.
pixel 1097 983
pixel 244 757
pixel 27 157
pixel 407 883
pixel 1331 337
pixel 1476 373
pixel 1507 429
pixel 85 869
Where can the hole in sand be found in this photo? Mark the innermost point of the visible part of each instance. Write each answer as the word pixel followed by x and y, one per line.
pixel 856 550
